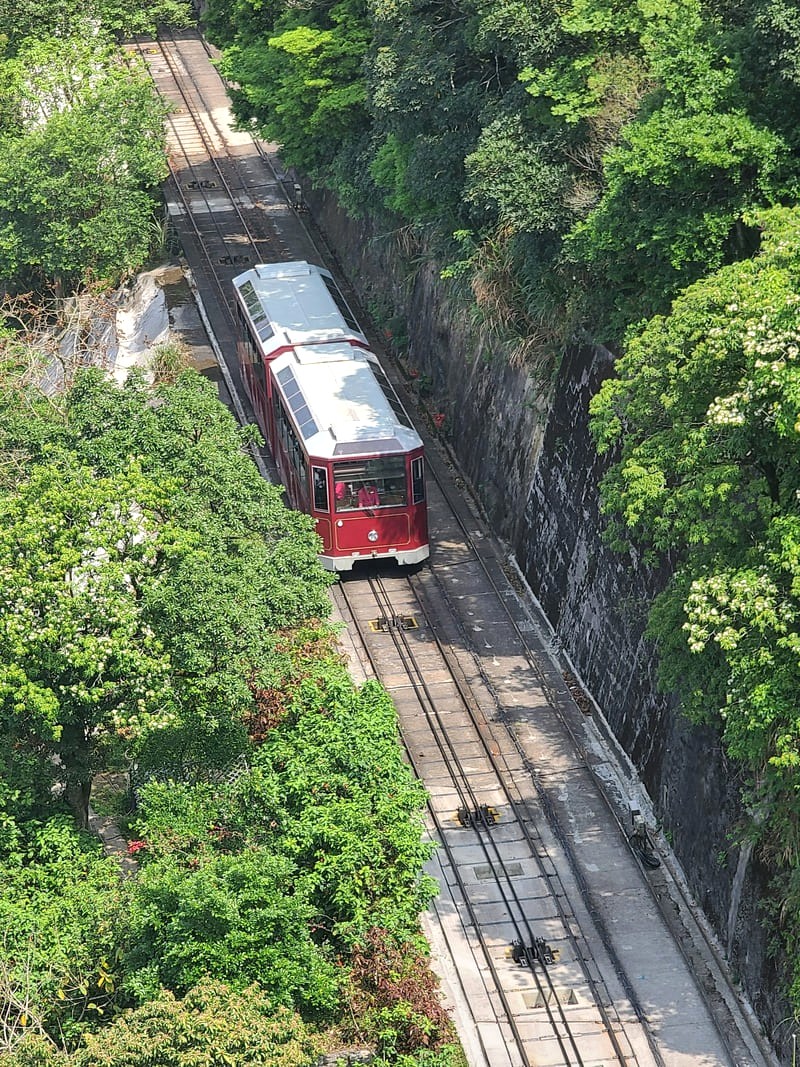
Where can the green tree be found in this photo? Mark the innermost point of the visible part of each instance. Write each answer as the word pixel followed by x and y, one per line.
pixel 38 19
pixel 78 167
pixel 520 183
pixel 684 161
pixel 425 96
pixel 704 424
pixel 304 86
pixel 240 917
pixel 668 165
pixel 78 663
pixel 255 569
pixel 326 788
pixel 60 910
pixel 226 1026
pixel 206 568
pixel 273 874
pixel 349 807
pixel 223 1026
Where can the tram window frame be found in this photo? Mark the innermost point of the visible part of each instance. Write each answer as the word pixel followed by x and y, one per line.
pixel 341 304
pixel 320 487
pixel 386 473
pixel 417 480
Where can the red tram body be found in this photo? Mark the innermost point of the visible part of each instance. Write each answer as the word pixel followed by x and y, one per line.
pixel 346 450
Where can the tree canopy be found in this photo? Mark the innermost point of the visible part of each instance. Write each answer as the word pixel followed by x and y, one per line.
pixel 79 661
pixel 164 611
pixel 81 150
pixel 31 20
pixel 604 155
pixel 238 1029
pixel 703 423
pixel 143 564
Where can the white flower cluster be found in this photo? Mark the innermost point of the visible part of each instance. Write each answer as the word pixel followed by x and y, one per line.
pixel 727 410
pixel 725 607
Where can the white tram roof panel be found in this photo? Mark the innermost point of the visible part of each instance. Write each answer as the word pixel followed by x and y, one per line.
pixel 339 405
pixel 295 304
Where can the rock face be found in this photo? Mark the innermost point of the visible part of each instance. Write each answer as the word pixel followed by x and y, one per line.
pixel 528 454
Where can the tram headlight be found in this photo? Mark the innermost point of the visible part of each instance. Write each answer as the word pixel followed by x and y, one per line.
pixel 372 536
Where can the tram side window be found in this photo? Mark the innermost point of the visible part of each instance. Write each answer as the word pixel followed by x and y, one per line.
pixel 250 350
pixel 371 483
pixel 289 441
pixel 246 337
pixel 320 475
pixel 417 480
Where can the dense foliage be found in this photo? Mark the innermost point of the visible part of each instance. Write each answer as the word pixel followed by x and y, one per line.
pixel 704 419
pixel 630 170
pixel 82 152
pixel 627 172
pixel 143 564
pixel 162 608
pixel 600 156
pixel 27 20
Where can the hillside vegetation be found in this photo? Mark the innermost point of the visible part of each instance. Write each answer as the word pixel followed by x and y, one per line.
pixel 593 157
pixel 164 612
pixel 617 172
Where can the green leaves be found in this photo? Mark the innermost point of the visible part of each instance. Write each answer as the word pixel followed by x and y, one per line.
pixel 238 917
pixel 303 86
pixel 159 602
pixel 58 912
pixel 77 165
pixel 224 1026
pixel 138 606
pixel 703 423
pixel 75 654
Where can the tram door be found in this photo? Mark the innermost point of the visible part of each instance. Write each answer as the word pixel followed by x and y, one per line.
pixel 321 503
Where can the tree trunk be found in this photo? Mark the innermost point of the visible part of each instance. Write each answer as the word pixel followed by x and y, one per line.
pixel 74 750
pixel 77 796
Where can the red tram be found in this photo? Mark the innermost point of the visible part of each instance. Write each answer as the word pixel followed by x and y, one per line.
pixel 343 443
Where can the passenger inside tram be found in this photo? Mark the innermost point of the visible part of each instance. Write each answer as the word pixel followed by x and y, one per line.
pixel 368 497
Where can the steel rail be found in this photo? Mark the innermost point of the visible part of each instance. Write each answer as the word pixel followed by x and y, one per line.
pixel 537 846
pixel 467 794
pixel 532 657
pixel 473 918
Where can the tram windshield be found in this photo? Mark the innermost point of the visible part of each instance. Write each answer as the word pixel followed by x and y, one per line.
pixel 371 483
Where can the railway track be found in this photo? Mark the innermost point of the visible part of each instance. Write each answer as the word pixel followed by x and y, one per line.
pixel 488 818
pixel 561 950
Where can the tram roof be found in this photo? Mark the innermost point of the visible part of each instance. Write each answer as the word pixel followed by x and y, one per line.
pixel 295 304
pixel 339 404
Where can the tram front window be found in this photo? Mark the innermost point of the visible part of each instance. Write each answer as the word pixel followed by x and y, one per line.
pixel 371 483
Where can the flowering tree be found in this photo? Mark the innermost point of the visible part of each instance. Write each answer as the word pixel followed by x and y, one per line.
pixel 705 415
